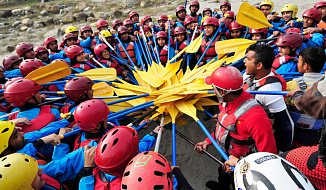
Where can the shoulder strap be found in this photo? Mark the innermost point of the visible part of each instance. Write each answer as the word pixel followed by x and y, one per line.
pixel 245 106
pixel 301 83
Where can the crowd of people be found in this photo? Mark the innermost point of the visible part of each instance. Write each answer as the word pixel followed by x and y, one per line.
pixel 106 155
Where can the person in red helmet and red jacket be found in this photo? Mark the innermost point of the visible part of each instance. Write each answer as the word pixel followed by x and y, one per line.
pixel 134 17
pixel 258 34
pixel 86 32
pixel 162 19
pixel 103 52
pixel 11 65
pixel 116 23
pixel 112 158
pixel 25 50
pixel 322 7
pixel 162 46
pixel 243 127
pixel 78 58
pixel 224 7
pixel 181 42
pixel 236 30
pixel 194 8
pixel 181 13
pixel 52 44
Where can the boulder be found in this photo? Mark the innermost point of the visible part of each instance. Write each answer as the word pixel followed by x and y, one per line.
pixel 90 19
pixel 49 20
pixel 2 36
pixel 5 13
pixel 60 5
pixel 17 12
pixel 87 9
pixel 80 16
pixel 102 15
pixel 10 48
pixel 16 23
pixel 23 28
pixel 27 22
pixel 69 18
pixel 66 10
pixel 30 30
pixel 56 21
pixel 44 13
pixel 93 24
pixel 28 12
pixel 54 9
pixel 81 6
pixel 38 24
pixel 117 13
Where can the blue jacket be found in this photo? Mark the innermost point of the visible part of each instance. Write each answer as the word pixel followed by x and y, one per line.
pixel 13 73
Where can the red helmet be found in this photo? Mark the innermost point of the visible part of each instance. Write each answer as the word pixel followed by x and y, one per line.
pixel 226 78
pixel 89 113
pixel 10 81
pixel 40 49
pixel 207 9
pixel 133 13
pixel 76 87
pixel 122 30
pixel 127 22
pixel 163 17
pixel 236 26
pixel 180 30
pixel 99 48
pixel 211 21
pixel 229 14
pixel 290 39
pixel 115 150
pixel 48 40
pixel 189 20
pixel 73 51
pixel 161 34
pixel 297 30
pixel 259 31
pixel 29 65
pixel 148 170
pixel 225 3
pixel 85 28
pixel 18 92
pixel 146 29
pixel 179 8
pixel 56 60
pixel 9 60
pixel 313 13
pixel 21 48
pixel 115 22
pixel 68 36
pixel 320 4
pixel 100 23
pixel 194 3
pixel 146 17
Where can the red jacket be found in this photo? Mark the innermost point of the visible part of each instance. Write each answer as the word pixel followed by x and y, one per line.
pixel 254 125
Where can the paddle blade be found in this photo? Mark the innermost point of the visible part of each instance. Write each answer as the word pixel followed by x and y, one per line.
pixel 151 79
pixel 187 108
pixel 170 70
pixel 107 74
pixel 173 111
pixel 252 17
pixel 102 89
pixel 194 45
pixel 49 73
pixel 233 45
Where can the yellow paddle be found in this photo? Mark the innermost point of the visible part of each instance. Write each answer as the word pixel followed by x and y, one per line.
pixel 49 73
pixel 106 74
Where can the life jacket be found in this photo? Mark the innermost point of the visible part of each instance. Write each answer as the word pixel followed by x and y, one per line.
pixel 3 108
pixel 182 22
pixel 267 80
pixel 302 120
pixel 43 119
pixel 101 182
pixel 52 53
pixel 52 183
pixel 82 66
pixel 112 64
pixel 307 161
pixel 226 131
pixel 280 60
pixel 130 50
pixel 66 109
pixel 182 46
pixel 79 144
pixel 163 54
pixel 321 24
pixel 211 53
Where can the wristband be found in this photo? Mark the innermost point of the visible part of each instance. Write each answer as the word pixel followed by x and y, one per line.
pixel 154 134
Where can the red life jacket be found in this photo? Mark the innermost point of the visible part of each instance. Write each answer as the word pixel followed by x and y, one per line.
pixel 66 109
pixel 79 144
pixel 112 64
pixel 226 134
pixel 210 54
pixel 53 183
pixel 52 53
pixel 101 182
pixel 130 50
pixel 267 80
pixel 163 54
pixel 280 60
pixel 43 119
pixel 82 66
pixel 307 161
pixel 182 46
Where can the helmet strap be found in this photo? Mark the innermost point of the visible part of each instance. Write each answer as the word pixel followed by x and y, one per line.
pixel 220 97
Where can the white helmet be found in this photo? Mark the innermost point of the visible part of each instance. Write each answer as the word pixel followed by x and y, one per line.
pixel 268 171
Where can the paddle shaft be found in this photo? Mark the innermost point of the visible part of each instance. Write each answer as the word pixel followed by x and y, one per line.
pixel 194 144
pixel 283 93
pixel 142 117
pixel 173 145
pixel 131 111
pixel 159 136
pixel 141 46
pixel 124 49
pixel 76 130
pixel 154 38
pixel 127 99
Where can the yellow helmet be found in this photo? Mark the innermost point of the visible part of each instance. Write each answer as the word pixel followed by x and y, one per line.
pixel 290 7
pixel 70 29
pixel 6 129
pixel 203 19
pixel 17 171
pixel 105 33
pixel 267 2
